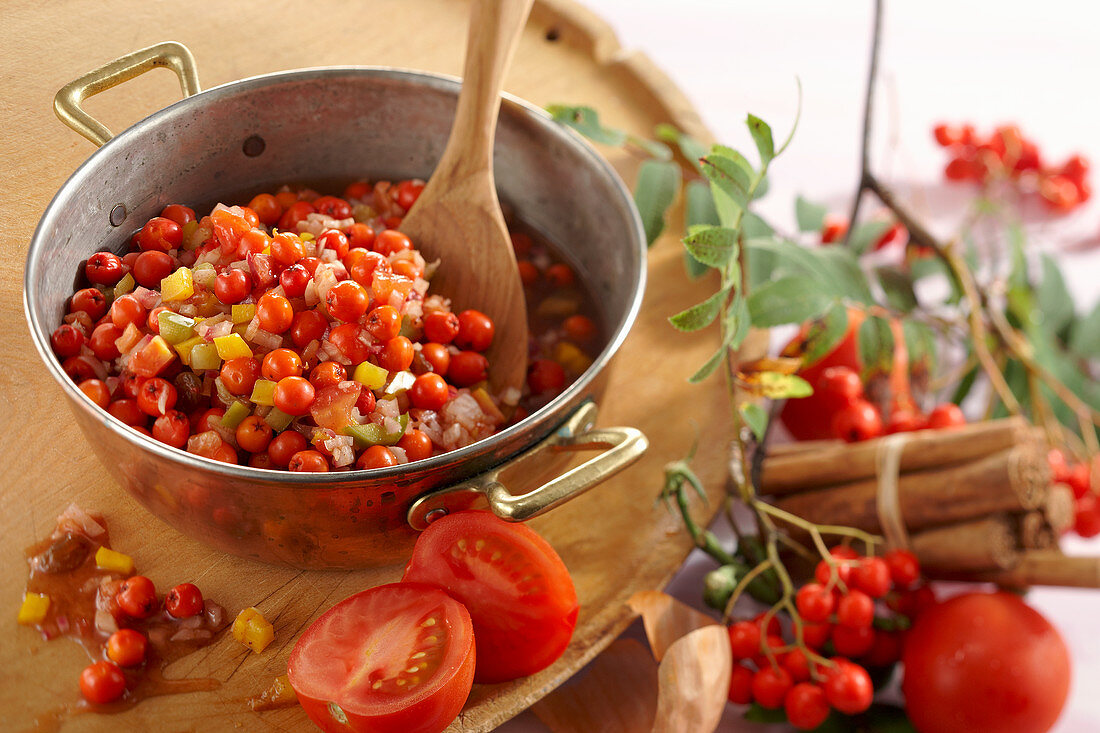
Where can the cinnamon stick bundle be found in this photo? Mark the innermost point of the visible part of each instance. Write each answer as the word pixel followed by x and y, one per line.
pixel 1011 480
pixel 1037 567
pixel 1059 508
pixel 981 545
pixel 832 462
pixel 1033 531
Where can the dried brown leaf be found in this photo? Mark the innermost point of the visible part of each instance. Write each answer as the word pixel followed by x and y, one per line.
pixel 666 619
pixel 616 694
pixel 781 364
pixel 693 682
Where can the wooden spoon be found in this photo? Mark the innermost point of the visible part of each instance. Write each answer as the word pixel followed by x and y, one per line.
pixel 457 217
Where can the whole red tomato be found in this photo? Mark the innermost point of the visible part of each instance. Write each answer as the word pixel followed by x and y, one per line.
pixel 984 662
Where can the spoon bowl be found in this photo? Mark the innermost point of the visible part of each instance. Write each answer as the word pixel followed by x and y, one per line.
pixel 457 217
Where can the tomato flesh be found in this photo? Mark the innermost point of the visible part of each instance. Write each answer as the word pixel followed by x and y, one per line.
pixel 518 591
pixel 396 658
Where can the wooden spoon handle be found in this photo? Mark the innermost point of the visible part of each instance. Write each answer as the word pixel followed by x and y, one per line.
pixel 495 28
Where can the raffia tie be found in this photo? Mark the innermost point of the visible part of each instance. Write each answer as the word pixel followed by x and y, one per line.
pixel 887 502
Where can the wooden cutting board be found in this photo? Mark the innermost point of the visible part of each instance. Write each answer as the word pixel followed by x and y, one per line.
pixel 615 539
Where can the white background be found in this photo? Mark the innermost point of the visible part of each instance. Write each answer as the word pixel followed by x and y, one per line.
pixel 1033 64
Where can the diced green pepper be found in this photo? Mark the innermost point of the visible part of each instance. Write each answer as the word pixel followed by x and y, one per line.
pixel 372 434
pixel 263 392
pixel 125 285
pixel 277 419
pixel 370 376
pixel 408 330
pixel 235 415
pixel 205 356
pixel 175 328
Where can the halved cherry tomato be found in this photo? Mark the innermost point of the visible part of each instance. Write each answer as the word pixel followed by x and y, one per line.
pixel 518 591
pixel 397 658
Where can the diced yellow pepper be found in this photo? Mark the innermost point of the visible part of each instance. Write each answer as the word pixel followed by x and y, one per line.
pixel 184 348
pixel 125 285
pixel 306 236
pixel 205 356
pixel 266 250
pixel 232 347
pixel 370 375
pixel 487 405
pixel 572 358
pixel 114 562
pixel 34 608
pixel 188 234
pixel 252 629
pixel 243 312
pixel 177 286
pixel 263 392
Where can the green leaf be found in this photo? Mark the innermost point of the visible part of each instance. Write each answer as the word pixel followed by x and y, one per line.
pixel 935 267
pixel 698 211
pixel 825 334
pixel 762 136
pixel 810 216
pixel 707 369
pixel 898 288
pixel 1053 297
pixel 729 175
pixel 753 226
pixel 701 315
pixel 690 148
pixel 1021 299
pixel 965 385
pixel 790 299
pixel 737 322
pixel 876 344
pixel 756 418
pixel 736 327
pixel 841 270
pixel 760 714
pixel 729 211
pixel 586 121
pixel 886 718
pixel 713 246
pixel 920 342
pixel 761 189
pixel 1084 338
pixel 866 234
pixel 658 150
pixel 658 182
pixel 719 172
pixel 791 257
pixel 762 264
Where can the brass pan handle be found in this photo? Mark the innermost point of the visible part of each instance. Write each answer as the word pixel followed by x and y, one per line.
pixel 619 448
pixel 170 54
